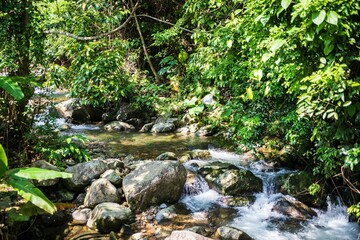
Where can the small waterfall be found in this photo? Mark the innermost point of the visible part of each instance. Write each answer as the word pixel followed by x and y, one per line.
pixel 195 187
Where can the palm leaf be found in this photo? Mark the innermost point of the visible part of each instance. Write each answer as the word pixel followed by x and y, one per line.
pixel 11 87
pixel 37 173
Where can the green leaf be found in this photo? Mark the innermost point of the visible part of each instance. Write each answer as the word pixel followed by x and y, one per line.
pixel 332 18
pixel 37 173
pixel 318 18
pixel 347 103
pixel 285 3
pixel 183 56
pixel 249 93
pixel 3 161
pixel 32 194
pixel 11 87
pixel 277 44
pixel 258 74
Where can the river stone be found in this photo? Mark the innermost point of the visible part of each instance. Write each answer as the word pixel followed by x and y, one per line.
pixel 208 99
pixel 45 165
pixel 200 154
pixel 119 126
pixel 166 214
pixel 296 184
pixel 101 190
pixel 81 216
pixel 154 183
pixel 113 163
pixel 293 208
pixel 146 127
pixel 64 109
pixel 166 156
pixel 230 180
pixel 163 127
pixel 232 233
pixel 186 235
pixel 108 216
pixel 83 174
pixel 114 176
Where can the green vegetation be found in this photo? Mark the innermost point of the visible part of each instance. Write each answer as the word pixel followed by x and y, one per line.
pixel 284 73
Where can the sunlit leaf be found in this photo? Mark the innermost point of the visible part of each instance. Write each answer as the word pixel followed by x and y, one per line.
pixel 275 45
pixel 249 93
pixel 318 18
pixel 31 193
pixel 37 173
pixel 3 161
pixel 11 87
pixel 332 18
pixel 285 3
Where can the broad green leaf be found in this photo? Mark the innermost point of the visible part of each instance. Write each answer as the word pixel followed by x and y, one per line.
pixel 318 18
pixel 328 49
pixel 37 173
pixel 275 45
pixel 3 161
pixel 196 110
pixel 258 74
pixel 229 43
pixel 11 87
pixel 347 103
pixel 285 3
pixel 183 56
pixel 305 3
pixel 249 93
pixel 332 18
pixel 32 194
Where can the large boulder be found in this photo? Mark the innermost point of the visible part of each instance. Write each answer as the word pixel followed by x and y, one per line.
pixel 154 183
pixel 293 208
pixel 83 174
pixel 297 184
pixel 230 180
pixel 64 109
pixel 107 217
pixel 164 125
pixel 231 233
pixel 101 190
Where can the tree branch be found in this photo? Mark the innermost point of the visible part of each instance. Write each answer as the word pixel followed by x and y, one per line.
pixel 162 21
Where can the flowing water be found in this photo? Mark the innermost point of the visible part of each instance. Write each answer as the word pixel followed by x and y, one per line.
pixel 258 220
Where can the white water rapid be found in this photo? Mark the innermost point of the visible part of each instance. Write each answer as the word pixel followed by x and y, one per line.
pixel 258 219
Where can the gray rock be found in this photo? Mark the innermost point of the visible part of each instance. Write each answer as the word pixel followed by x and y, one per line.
pixel 231 233
pixel 200 154
pixel 107 217
pixel 208 130
pixel 64 109
pixel 146 127
pixel 166 214
pixel 113 163
pixel 208 99
pixel 186 235
pixel 114 176
pixel 64 195
pixel 45 165
pixel 100 191
pixel 163 127
pixel 83 174
pixel 126 111
pixel 154 183
pixel 293 208
pixel 230 180
pixel 119 126
pixel 166 156
pixel 81 216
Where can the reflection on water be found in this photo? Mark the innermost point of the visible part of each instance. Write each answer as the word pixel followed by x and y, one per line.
pixel 148 145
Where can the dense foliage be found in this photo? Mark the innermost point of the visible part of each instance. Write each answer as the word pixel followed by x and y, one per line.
pixel 284 73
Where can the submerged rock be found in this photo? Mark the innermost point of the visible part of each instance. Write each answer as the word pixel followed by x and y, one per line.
pixel 101 190
pixel 232 233
pixel 230 180
pixel 107 217
pixel 154 183
pixel 293 208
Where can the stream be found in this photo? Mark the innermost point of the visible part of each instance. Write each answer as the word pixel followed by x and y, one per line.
pixel 257 219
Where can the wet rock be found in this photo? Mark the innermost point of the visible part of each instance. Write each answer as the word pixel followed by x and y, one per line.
pixel 81 216
pixel 45 165
pixel 166 214
pixel 79 199
pixel 136 122
pixel 154 183
pixel 146 127
pixel 83 174
pixel 232 233
pixel 163 127
pixel 185 158
pixel 293 208
pixel 119 126
pixel 64 195
pixel 230 180
pixel 100 191
pixel 186 235
pixel 200 154
pixel 107 217
pixel 296 185
pixel 239 201
pixel 114 176
pixel 64 109
pixel 166 156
